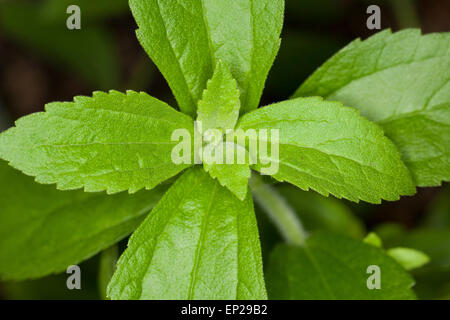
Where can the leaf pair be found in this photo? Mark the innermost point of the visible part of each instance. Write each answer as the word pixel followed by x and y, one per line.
pixel 118 142
pixel 186 38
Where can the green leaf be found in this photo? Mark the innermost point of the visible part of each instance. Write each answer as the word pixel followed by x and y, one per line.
pixel 423 138
pixel 402 81
pixel 374 240
pixel 200 242
pixel 438 215
pixel 334 267
pixel 112 141
pixel 409 258
pixel 185 38
pixel 43 230
pixel 89 52
pixel 233 176
pixel 219 107
pixel 331 149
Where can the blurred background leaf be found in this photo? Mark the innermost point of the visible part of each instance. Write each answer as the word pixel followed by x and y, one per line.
pixel 89 52
pixel 432 236
pixel 93 10
pixel 54 287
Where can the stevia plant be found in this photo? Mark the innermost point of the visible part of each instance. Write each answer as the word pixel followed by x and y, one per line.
pixel 371 124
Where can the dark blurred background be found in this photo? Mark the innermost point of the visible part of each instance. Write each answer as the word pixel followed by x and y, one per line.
pixel 41 61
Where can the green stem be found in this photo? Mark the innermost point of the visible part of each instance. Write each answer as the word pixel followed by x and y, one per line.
pixel 107 267
pixel 406 13
pixel 282 215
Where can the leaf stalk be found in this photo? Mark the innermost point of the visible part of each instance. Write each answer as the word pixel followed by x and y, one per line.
pixel 279 211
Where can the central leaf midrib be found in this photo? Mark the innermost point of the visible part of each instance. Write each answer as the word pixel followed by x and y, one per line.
pixel 158 236
pixel 320 273
pixel 208 35
pixel 402 64
pixel 200 245
pixel 245 98
pixel 120 113
pixel 190 94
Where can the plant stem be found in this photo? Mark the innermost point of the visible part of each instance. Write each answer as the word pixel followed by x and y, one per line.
pixel 108 261
pixel 282 215
pixel 406 13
